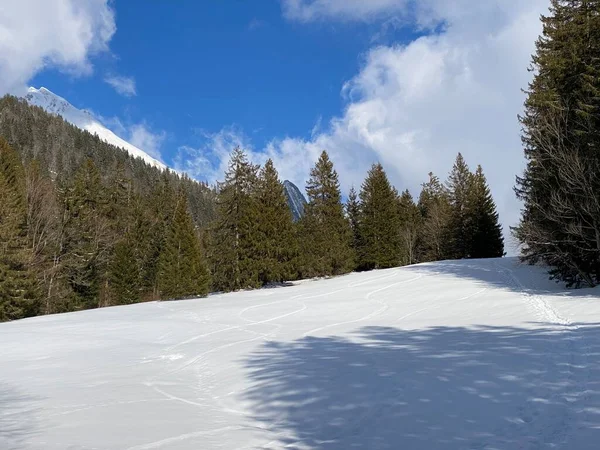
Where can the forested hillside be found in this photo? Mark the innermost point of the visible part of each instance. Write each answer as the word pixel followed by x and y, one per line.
pixel 85 225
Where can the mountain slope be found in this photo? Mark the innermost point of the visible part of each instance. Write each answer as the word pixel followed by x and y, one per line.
pixel 450 355
pixel 57 105
pixel 295 199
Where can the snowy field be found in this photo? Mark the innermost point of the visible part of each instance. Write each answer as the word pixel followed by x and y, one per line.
pixel 454 355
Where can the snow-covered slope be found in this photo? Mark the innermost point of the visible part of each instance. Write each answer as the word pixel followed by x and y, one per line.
pixel 453 355
pixel 83 119
pixel 295 199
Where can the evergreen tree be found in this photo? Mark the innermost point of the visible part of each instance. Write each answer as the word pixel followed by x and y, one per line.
pixel 459 186
pixel 486 240
pixel 560 188
pixel 18 290
pixel 234 236
pixel 326 235
pixel 410 225
pixel 277 249
pixel 88 236
pixel 434 205
pixel 353 213
pixel 380 222
pixel 182 271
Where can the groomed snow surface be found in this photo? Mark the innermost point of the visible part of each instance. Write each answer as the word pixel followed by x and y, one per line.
pixel 453 355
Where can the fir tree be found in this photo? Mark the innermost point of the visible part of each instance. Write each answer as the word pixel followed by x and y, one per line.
pixel 326 234
pixel 486 240
pixel 560 188
pixel 380 222
pixel 434 205
pixel 88 236
pixel 353 214
pixel 459 186
pixel 182 271
pixel 234 235
pixel 277 249
pixel 18 290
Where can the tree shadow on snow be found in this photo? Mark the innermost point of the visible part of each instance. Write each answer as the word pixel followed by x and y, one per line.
pixel 17 418
pixel 505 273
pixel 440 388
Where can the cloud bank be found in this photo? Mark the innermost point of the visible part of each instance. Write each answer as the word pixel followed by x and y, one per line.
pixel 414 106
pixel 38 34
pixel 123 85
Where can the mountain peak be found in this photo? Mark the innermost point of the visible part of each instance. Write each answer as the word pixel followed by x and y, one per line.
pixel 55 104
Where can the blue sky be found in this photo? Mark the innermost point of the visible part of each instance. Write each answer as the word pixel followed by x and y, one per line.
pixel 408 83
pixel 208 65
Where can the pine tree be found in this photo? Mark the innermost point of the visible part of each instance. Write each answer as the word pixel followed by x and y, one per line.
pixel 380 222
pixel 182 271
pixel 326 236
pixel 434 205
pixel 277 246
pixel 486 240
pixel 18 290
pixel 234 235
pixel 353 213
pixel 459 186
pixel 410 224
pixel 560 188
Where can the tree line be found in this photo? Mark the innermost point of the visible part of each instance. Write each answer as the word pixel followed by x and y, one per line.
pixel 108 232
pixel 254 241
pixel 560 189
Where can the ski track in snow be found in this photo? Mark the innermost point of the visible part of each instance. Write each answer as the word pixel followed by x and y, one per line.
pixel 201 373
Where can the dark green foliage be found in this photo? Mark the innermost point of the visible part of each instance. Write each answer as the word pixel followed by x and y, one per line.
pixel 353 214
pixel 182 271
pixel 326 237
pixel 18 290
pixel 234 237
pixel 460 221
pixel 486 238
pixel 560 188
pixel 379 227
pixel 88 220
pixel 277 250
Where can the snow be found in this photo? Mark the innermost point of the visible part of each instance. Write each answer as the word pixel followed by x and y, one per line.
pixel 57 105
pixel 453 355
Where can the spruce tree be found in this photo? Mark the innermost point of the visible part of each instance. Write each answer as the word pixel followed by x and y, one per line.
pixel 459 186
pixel 326 235
pixel 560 188
pixel 380 222
pixel 486 240
pixel 18 290
pixel 410 226
pixel 87 236
pixel 277 246
pixel 182 271
pixel 353 213
pixel 234 235
pixel 434 205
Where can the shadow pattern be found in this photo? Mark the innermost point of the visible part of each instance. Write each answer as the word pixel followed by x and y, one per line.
pixel 444 387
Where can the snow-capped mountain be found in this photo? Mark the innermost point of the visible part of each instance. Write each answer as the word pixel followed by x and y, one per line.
pixel 295 199
pixel 55 104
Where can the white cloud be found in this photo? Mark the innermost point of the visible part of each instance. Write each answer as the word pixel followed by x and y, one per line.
pixel 140 136
pixel 362 10
pixel 123 85
pixel 208 161
pixel 415 106
pixel 36 34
